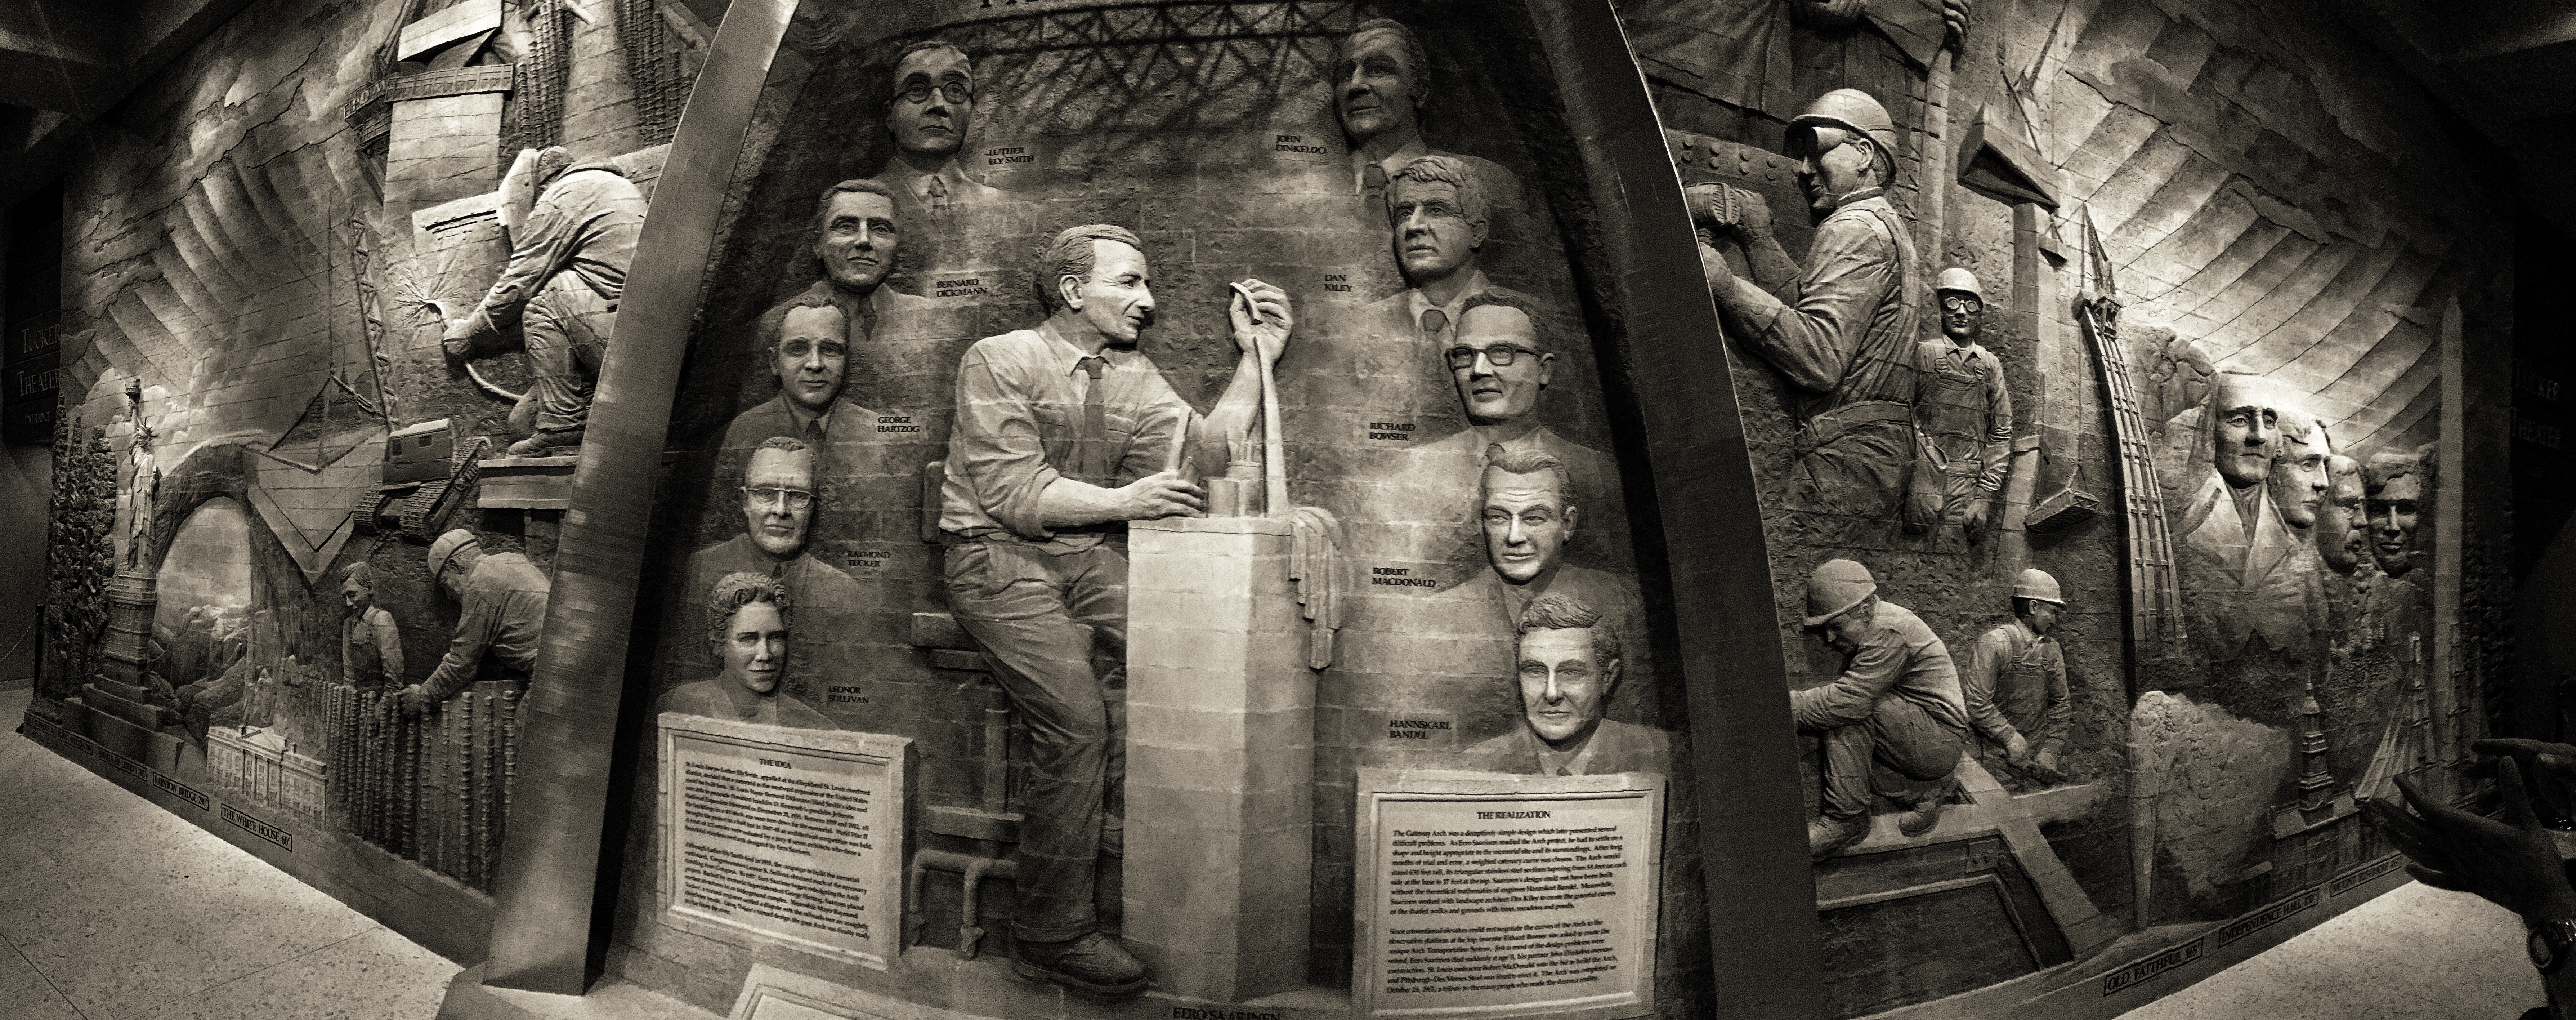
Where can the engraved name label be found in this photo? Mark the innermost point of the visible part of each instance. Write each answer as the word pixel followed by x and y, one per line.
pixel 865 559
pixel 1429 730
pixel 843 694
pixel 1399 577
pixel 1337 282
pixel 964 286
pixel 1494 904
pixel 181 790
pixel 1009 155
pixel 2131 975
pixel 798 844
pixel 1387 429
pixel 1296 144
pixel 899 423
pixel 263 830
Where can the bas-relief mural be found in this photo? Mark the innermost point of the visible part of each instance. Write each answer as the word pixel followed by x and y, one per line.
pixel 955 362
pixel 1936 247
pixel 1062 379
pixel 303 568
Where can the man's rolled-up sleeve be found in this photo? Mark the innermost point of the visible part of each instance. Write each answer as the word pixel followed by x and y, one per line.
pixel 996 443
pixel 1812 340
pixel 1851 697
pixel 474 632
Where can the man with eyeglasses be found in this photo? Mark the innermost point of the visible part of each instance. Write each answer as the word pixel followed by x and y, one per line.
pixel 1843 329
pixel 1963 419
pixel 1391 364
pixel 1063 434
pixel 502 626
pixel 778 509
pixel 932 109
pixel 1500 367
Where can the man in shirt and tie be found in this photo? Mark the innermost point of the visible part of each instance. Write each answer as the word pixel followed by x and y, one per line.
pixel 929 115
pixel 1391 361
pixel 1381 85
pixel 811 358
pixel 857 236
pixel 1568 660
pixel 1063 434
pixel 778 510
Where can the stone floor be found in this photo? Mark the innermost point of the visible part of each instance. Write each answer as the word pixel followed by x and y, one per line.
pixel 112 909
pixel 2417 953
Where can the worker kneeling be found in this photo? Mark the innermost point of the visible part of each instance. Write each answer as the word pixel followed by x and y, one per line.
pixel 1897 703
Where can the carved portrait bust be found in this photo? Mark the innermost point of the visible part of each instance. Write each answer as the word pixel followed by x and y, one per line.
pixel 855 235
pixel 2299 478
pixel 2398 488
pixel 777 496
pixel 2244 429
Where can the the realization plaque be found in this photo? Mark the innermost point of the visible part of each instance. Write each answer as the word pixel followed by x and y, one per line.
pixel 1485 895
pixel 792 834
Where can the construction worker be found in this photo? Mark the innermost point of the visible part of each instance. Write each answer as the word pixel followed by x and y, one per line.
pixel 1897 703
pixel 2015 682
pixel 505 618
pixel 566 272
pixel 1963 419
pixel 1844 328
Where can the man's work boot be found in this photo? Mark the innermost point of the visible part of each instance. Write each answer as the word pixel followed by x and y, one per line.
pixel 549 443
pixel 1927 812
pixel 1827 834
pixel 1093 963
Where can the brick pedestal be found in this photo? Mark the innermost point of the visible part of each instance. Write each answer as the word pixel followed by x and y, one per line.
pixel 1220 758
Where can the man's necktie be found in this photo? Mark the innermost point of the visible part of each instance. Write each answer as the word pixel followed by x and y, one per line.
pixel 814 433
pixel 938 192
pixel 1373 191
pixel 1092 462
pixel 1434 323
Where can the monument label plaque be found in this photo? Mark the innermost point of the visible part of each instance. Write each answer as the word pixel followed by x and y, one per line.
pixel 1494 896
pixel 792 834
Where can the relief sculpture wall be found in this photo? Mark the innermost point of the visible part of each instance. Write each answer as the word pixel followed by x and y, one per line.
pixel 2175 299
pixel 1001 296
pixel 1156 515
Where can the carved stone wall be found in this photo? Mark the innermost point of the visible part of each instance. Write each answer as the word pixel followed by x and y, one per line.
pixel 2271 200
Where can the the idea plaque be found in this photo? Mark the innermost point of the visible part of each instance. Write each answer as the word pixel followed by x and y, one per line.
pixel 792 834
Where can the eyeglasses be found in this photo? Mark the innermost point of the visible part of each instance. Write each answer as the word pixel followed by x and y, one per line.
pixel 1961 304
pixel 953 90
pixel 1501 355
pixel 796 499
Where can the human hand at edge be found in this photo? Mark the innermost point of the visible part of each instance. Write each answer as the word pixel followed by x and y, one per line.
pixel 2512 863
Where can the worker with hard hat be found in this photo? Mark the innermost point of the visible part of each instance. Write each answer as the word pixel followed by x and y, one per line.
pixel 1897 703
pixel 2016 682
pixel 504 621
pixel 1842 329
pixel 1963 420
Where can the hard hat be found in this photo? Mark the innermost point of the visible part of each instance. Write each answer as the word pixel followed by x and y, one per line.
pixel 1854 111
pixel 1837 585
pixel 2035 583
pixel 1958 278
pixel 445 547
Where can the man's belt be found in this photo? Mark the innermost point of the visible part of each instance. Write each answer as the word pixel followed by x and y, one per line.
pixel 1833 424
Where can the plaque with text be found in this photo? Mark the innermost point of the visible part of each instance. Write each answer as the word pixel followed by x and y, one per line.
pixel 1488 895
pixel 791 834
